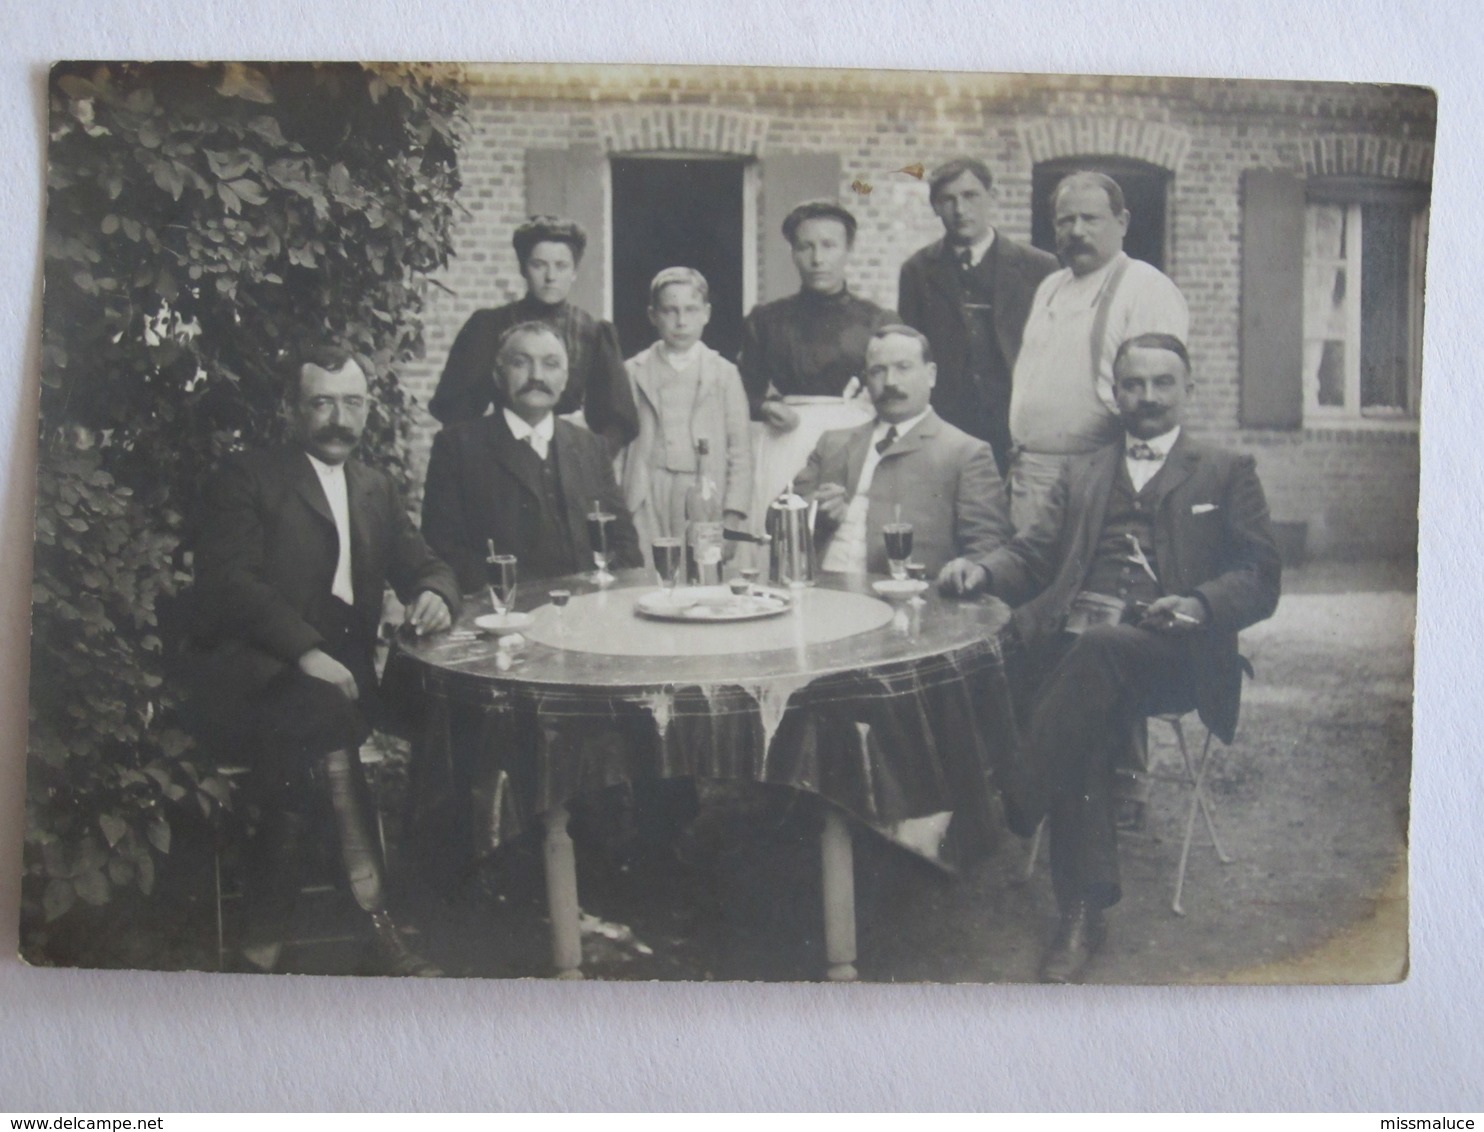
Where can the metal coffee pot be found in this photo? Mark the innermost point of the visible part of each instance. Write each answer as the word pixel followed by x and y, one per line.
pixel 790 527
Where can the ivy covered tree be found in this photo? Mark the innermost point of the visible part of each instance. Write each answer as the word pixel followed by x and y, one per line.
pixel 203 220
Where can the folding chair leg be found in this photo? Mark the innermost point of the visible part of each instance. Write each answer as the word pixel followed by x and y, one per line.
pixel 1030 858
pixel 221 935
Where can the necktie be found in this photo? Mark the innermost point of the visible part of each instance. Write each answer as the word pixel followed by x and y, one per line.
pixel 1138 450
pixel 887 441
pixel 965 258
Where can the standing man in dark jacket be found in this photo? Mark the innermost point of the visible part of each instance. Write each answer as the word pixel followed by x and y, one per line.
pixel 970 293
pixel 295 549
pixel 1153 552
pixel 550 252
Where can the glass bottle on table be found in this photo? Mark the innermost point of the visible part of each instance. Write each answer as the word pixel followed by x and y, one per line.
pixel 703 522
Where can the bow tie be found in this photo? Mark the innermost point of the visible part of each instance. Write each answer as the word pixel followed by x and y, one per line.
pixel 1138 450
pixel 887 441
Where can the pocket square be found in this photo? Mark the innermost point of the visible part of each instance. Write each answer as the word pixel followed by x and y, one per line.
pixel 1202 508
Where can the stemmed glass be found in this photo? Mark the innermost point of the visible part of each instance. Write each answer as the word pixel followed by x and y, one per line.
pixel 597 537
pixel 559 600
pixel 500 572
pixel 898 548
pixel 668 553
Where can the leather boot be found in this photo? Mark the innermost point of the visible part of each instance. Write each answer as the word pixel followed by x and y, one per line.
pixel 393 956
pixel 359 849
pixel 1078 937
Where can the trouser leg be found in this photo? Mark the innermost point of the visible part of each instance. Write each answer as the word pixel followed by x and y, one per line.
pixel 270 883
pixel 1029 486
pixel 1079 725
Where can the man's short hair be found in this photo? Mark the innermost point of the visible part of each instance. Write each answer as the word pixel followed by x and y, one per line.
pixel 1153 341
pixel 819 210
pixel 953 170
pixel 530 326
pixel 892 329
pixel 1087 179
pixel 672 275
pixel 330 357
pixel 549 230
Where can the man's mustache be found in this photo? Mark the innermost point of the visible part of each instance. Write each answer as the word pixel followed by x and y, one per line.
pixel 338 432
pixel 536 385
pixel 891 394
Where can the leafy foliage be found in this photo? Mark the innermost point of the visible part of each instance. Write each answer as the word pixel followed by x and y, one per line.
pixel 203 221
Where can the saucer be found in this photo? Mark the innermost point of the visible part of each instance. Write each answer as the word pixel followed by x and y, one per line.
pixel 907 587
pixel 498 624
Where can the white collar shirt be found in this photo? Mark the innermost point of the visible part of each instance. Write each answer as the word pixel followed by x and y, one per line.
pixel 1142 471
pixel 332 480
pixel 538 436
pixel 682 361
pixel 977 250
pixel 848 552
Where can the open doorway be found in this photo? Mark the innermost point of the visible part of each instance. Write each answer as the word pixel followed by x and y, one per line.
pixel 677 212
pixel 1144 186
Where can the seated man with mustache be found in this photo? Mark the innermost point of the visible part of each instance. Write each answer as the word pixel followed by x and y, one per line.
pixel 909 464
pixel 523 478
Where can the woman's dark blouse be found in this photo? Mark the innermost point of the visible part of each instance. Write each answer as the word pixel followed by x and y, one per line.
pixel 807 344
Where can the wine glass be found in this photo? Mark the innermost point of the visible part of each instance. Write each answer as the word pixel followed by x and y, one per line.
pixel 898 548
pixel 597 537
pixel 668 553
pixel 500 572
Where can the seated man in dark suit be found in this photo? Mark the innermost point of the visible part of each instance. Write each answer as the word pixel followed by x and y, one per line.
pixel 294 552
pixel 1155 551
pixel 522 478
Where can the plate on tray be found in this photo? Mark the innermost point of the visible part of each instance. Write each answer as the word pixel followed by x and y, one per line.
pixel 498 624
pixel 713 603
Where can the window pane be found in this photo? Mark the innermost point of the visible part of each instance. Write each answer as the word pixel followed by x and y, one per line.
pixel 1385 349
pixel 1332 374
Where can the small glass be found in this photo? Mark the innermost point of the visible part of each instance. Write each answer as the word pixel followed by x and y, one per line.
pixel 597 537
pixel 749 574
pixel 559 600
pixel 898 548
pixel 500 572
pixel 669 554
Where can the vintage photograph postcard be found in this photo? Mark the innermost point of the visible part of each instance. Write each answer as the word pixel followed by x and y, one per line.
pixel 705 523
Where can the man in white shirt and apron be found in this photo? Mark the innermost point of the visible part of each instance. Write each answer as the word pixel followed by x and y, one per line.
pixel 1061 400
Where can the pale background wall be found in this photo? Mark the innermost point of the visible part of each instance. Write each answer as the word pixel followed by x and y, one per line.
pixel 81 1041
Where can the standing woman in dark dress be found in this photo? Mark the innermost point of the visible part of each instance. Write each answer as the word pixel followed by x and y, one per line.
pixel 549 250
pixel 803 356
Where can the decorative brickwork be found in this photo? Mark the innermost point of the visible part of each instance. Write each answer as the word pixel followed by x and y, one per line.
pixel 1366 155
pixel 696 129
pixel 1046 139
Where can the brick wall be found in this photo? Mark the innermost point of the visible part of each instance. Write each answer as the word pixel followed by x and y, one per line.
pixel 1356 490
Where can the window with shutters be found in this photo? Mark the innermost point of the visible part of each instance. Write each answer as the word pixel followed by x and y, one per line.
pixel 1362 320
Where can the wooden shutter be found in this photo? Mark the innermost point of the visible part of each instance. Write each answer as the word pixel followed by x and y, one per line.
pixel 789 179
pixel 1272 319
pixel 569 183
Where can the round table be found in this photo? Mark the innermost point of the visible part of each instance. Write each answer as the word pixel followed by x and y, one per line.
pixel 892 711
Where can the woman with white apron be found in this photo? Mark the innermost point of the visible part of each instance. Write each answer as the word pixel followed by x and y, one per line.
pixel 803 356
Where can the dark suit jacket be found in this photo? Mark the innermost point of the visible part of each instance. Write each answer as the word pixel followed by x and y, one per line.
pixel 265 555
pixel 944 480
pixel 928 297
pixel 1212 540
pixel 480 486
